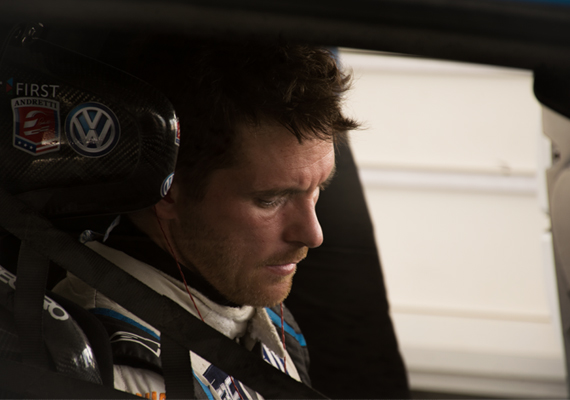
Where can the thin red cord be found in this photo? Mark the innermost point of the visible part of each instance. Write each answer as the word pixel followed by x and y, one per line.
pixel 188 290
pixel 283 339
pixel 177 264
pixel 237 390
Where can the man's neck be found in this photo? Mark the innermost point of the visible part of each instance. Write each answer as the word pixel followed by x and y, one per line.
pixel 129 239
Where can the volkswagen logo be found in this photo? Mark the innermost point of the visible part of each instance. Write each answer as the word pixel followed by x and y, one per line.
pixel 166 185
pixel 92 129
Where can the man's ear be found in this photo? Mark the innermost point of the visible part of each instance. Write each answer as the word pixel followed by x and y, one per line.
pixel 166 208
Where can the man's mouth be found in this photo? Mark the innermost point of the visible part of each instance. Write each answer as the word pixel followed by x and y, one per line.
pixel 287 263
pixel 283 270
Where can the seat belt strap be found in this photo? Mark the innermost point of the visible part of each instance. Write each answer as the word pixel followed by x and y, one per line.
pixel 28 305
pixel 176 369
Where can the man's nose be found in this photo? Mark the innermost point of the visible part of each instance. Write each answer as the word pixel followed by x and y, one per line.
pixel 304 227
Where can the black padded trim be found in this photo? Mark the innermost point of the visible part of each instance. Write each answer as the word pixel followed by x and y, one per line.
pixel 552 88
pixel 96 334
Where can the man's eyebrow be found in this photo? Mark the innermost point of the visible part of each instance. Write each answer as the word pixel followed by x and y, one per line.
pixel 291 191
pixel 327 181
pixel 276 192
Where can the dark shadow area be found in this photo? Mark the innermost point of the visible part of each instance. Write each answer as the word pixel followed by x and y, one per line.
pixel 420 394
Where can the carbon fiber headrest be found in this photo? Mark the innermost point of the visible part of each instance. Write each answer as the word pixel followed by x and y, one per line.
pixel 79 137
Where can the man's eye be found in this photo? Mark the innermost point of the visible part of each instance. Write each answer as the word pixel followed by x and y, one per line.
pixel 269 203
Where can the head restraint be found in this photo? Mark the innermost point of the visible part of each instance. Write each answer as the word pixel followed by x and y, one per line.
pixel 80 137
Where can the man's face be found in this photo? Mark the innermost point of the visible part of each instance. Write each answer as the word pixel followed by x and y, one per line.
pixel 257 219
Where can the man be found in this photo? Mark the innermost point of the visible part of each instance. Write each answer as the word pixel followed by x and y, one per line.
pixel 259 123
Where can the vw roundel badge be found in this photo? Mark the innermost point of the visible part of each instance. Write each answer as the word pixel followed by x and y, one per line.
pixel 166 185
pixel 92 129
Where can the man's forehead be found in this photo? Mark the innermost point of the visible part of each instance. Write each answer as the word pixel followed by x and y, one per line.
pixel 271 140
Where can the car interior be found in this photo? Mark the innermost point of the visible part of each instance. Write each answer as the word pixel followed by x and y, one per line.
pixel 65 54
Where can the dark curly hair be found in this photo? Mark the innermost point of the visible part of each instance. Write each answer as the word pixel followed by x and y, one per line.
pixel 217 86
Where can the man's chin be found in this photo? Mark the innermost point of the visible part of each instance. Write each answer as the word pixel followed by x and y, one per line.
pixel 262 303
pixel 270 296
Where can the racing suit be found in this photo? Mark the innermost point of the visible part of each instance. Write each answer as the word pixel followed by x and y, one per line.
pixel 136 344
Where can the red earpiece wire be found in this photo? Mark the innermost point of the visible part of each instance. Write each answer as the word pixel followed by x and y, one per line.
pixel 186 285
pixel 177 263
pixel 283 339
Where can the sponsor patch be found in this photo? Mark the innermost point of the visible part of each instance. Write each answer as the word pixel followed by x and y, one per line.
pixel 223 385
pixel 54 309
pixel 92 129
pixel 166 185
pixel 33 89
pixel 28 89
pixel 36 125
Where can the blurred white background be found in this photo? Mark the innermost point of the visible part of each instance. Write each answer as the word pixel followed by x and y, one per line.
pixel 452 161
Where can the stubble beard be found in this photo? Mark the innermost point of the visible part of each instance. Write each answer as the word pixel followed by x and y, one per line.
pixel 213 256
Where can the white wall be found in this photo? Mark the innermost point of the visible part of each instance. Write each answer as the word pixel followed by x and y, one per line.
pixel 452 178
